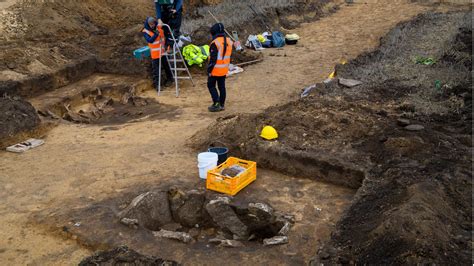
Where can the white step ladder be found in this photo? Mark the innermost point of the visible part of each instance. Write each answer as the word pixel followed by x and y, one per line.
pixel 176 63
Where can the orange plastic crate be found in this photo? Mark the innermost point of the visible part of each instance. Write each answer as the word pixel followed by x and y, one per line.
pixel 231 186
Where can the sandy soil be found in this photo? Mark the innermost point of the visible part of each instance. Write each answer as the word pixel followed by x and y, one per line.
pixel 82 162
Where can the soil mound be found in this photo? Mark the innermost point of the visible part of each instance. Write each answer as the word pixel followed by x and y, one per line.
pixel 16 116
pixel 403 138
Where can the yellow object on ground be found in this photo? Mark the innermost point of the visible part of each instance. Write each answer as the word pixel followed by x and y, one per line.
pixel 293 37
pixel 332 75
pixel 269 133
pixel 231 185
pixel 196 55
pixel 261 38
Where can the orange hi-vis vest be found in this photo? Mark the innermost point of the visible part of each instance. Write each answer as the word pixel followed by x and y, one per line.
pixel 223 60
pixel 157 48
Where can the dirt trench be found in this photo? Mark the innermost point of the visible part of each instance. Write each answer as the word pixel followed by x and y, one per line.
pixel 403 142
pixel 81 165
pixel 49 45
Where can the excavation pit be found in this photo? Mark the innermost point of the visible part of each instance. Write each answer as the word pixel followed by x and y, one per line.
pixel 100 102
pixel 199 216
pixel 190 223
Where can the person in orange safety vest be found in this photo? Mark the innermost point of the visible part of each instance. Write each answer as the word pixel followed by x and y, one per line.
pixel 219 61
pixel 155 38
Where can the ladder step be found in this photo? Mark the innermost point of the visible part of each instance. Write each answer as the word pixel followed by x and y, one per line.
pixel 177 60
pixel 183 77
pixel 179 69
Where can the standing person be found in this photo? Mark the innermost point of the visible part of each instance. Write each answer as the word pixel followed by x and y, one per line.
pixel 155 38
pixel 170 12
pixel 219 61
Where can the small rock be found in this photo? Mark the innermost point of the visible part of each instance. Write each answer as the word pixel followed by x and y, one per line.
pixel 285 229
pixel 344 121
pixel 11 65
pixel 227 243
pixel 276 240
pixel 382 113
pixel 324 255
pixel 129 222
pixel 172 227
pixel 414 127
pixel 194 232
pixel 349 82
pixel 403 122
pixel 181 236
pixel 261 209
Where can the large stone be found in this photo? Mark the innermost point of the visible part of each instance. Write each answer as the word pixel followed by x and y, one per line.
pixel 403 122
pixel 190 212
pixel 276 240
pixel 151 209
pixel 259 215
pixel 349 82
pixel 227 243
pixel 414 127
pixel 180 236
pixel 224 216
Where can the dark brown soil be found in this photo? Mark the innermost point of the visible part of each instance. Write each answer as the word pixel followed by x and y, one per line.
pixel 414 199
pixel 16 116
pixel 71 40
pixel 124 256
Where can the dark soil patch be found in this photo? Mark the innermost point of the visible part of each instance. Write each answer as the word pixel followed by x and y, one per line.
pixel 414 199
pixel 16 116
pixel 123 256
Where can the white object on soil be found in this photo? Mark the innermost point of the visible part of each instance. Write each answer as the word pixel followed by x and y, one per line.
pixel 276 240
pixel 349 82
pixel 181 236
pixel 26 145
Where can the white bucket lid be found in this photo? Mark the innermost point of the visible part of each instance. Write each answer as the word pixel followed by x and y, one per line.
pixel 208 156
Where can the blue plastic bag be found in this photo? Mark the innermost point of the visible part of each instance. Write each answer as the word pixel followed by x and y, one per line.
pixel 278 40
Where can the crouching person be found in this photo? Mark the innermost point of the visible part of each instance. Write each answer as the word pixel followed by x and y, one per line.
pixel 155 38
pixel 219 61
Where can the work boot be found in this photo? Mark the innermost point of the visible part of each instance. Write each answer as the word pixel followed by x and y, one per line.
pixel 216 107
pixel 222 108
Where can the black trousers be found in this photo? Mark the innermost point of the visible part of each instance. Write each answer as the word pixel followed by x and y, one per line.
pixel 174 21
pixel 217 97
pixel 155 63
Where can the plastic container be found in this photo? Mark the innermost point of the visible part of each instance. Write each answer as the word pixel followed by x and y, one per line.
pixel 206 162
pixel 222 153
pixel 231 185
pixel 291 42
pixel 142 52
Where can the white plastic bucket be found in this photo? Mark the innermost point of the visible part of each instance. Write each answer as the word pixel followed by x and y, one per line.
pixel 206 162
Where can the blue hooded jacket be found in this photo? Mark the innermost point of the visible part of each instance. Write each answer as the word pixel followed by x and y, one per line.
pixel 178 5
pixel 148 38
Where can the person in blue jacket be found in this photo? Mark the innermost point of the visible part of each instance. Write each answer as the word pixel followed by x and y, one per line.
pixel 170 12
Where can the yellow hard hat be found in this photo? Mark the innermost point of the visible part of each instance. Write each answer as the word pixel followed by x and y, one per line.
pixel 269 133
pixel 332 75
